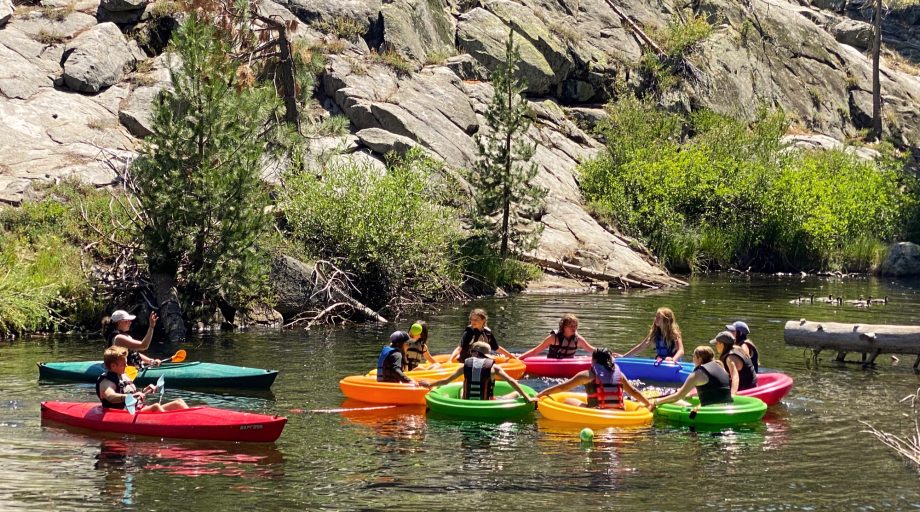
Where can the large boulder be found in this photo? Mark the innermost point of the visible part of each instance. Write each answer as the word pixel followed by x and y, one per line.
pixel 292 282
pixel 903 260
pixel 97 59
pixel 135 114
pixel 382 142
pixel 418 29
pixel 123 5
pixel 857 34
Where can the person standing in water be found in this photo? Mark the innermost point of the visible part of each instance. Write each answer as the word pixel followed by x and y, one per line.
pixel 477 331
pixel 564 343
pixel 117 332
pixel 665 333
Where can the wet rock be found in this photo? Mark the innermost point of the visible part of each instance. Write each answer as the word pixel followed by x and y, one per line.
pixel 903 260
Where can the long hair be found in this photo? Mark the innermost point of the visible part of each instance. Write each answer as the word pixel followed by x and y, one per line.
pixel 108 327
pixel 669 331
pixel 727 350
pixel 481 313
pixel 602 356
pixel 567 319
pixel 423 337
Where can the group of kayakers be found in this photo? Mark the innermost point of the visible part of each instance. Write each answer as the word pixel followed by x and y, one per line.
pixel 716 380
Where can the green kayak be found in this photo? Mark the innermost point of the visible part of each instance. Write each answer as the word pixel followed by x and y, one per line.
pixel 180 375
pixel 745 409
pixel 446 401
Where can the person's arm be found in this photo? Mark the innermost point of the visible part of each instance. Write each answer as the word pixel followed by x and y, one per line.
pixel 734 364
pixel 579 379
pixel 514 384
pixel 539 348
pixel 396 367
pixel 454 355
pixel 693 380
pixel 633 392
pixel 114 397
pixel 443 381
pixel 583 343
pixel 501 350
pixel 430 358
pixel 123 340
pixel 637 348
pixel 680 350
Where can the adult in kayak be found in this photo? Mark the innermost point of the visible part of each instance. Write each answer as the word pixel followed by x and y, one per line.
pixel 741 332
pixel 479 373
pixel 417 351
pixel 477 331
pixel 603 382
pixel 737 363
pixel 563 343
pixel 665 333
pixel 713 385
pixel 117 332
pixel 113 386
pixel 391 362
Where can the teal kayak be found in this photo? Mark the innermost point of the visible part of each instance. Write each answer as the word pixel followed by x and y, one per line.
pixel 446 401
pixel 191 374
pixel 745 409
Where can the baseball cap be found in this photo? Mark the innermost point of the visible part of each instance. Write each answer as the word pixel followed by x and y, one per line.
pixel 725 337
pixel 739 326
pixel 120 315
pixel 398 337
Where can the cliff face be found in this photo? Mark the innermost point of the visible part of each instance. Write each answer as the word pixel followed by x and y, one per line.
pixel 74 90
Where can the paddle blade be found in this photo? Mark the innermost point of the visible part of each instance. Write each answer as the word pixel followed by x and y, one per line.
pixel 131 372
pixel 178 357
pixel 161 384
pixel 130 403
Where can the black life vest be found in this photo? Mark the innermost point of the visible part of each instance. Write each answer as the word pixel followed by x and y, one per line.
pixel 478 383
pixel 663 349
pixel 718 390
pixel 747 376
pixel 755 355
pixel 385 371
pixel 120 387
pixel 563 348
pixel 471 336
pixel 415 354
pixel 134 358
pixel 605 391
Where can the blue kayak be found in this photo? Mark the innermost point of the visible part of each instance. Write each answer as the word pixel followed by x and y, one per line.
pixel 644 369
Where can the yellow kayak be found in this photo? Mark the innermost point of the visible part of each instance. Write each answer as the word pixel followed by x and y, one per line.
pixel 515 368
pixel 553 407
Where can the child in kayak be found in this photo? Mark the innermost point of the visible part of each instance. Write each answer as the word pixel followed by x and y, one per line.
pixel 712 382
pixel 417 352
pixel 113 386
pixel 564 343
pixel 741 332
pixel 737 363
pixel 116 330
pixel 603 382
pixel 390 363
pixel 477 331
pixel 479 372
pixel 669 346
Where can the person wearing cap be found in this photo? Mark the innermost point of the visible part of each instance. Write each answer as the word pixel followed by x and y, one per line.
pixel 390 362
pixel 741 332
pixel 477 331
pixel 117 332
pixel 604 384
pixel 417 352
pixel 713 385
pixel 737 363
pixel 669 345
pixel 479 372
pixel 564 343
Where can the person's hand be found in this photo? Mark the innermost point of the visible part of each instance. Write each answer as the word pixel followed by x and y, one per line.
pixel 156 362
pixel 151 388
pixel 153 319
pixel 434 366
pixel 423 383
pixel 669 359
pixel 652 404
pixel 139 396
pixel 616 354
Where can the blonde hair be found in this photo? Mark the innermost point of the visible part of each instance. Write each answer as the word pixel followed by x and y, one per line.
pixel 567 319
pixel 113 354
pixel 670 331
pixel 704 353
pixel 481 313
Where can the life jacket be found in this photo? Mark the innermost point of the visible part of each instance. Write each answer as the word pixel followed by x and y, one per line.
pixel 563 348
pixel 605 391
pixel 755 355
pixel 747 376
pixel 415 354
pixel 134 358
pixel 718 390
pixel 471 336
pixel 120 387
pixel 384 354
pixel 662 349
pixel 478 383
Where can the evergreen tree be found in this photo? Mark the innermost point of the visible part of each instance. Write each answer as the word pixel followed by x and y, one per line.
pixel 503 174
pixel 197 178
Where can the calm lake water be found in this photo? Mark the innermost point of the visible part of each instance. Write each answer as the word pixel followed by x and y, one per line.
pixel 809 453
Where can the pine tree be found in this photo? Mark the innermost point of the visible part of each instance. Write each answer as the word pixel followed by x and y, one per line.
pixel 502 176
pixel 197 178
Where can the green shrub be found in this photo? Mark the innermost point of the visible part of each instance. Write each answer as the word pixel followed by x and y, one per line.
pixel 486 270
pixel 384 227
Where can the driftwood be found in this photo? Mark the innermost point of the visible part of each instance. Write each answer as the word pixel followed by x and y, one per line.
pixel 640 34
pixel 866 338
pixel 587 273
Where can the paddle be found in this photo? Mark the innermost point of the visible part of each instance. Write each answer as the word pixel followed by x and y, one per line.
pixel 178 357
pixel 130 403
pixel 161 387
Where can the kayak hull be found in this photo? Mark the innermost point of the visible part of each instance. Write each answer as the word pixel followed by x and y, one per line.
pixel 771 388
pixel 184 375
pixel 554 408
pixel 542 366
pixel 205 423
pixel 513 367
pixel 640 368
pixel 745 409
pixel 446 401
pixel 367 389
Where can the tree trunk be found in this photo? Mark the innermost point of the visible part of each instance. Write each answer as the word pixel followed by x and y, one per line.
pixel 897 339
pixel 876 83
pixel 170 312
pixel 286 68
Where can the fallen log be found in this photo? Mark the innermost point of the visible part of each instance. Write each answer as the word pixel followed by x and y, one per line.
pixel 585 272
pixel 872 339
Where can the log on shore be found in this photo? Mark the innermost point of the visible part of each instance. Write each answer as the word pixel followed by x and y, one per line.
pixel 866 338
pixel 587 273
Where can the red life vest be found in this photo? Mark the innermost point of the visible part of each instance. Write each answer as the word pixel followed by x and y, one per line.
pixel 605 391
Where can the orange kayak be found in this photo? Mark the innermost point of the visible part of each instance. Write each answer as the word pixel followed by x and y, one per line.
pixel 366 389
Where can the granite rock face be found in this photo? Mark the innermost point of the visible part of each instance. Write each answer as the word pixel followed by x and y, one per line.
pixel 97 59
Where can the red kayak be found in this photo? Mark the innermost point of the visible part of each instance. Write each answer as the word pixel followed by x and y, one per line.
pixel 193 423
pixel 542 366
pixel 770 388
